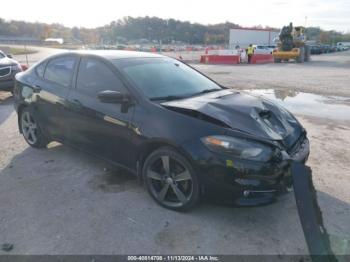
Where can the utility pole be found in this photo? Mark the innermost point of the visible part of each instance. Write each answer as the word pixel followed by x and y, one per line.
pixel 305 21
pixel 26 53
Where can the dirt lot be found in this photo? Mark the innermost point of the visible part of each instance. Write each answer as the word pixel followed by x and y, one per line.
pixel 325 74
pixel 61 201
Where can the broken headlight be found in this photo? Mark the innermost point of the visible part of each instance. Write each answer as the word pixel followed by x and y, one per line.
pixel 239 147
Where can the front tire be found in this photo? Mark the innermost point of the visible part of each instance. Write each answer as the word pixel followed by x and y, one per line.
pixel 171 180
pixel 31 130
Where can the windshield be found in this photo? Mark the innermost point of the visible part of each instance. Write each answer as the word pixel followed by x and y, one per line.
pixel 2 55
pixel 165 78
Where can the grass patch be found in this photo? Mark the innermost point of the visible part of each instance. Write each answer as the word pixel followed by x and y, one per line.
pixel 69 47
pixel 21 51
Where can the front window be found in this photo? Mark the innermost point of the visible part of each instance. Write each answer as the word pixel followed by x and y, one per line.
pixel 95 76
pixel 165 78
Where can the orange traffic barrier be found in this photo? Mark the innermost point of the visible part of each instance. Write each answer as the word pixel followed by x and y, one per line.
pixel 262 59
pixel 220 59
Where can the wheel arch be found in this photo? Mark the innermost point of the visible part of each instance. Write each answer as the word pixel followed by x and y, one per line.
pixel 20 109
pixel 149 147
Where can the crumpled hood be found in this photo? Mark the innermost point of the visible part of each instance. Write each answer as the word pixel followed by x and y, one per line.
pixel 244 112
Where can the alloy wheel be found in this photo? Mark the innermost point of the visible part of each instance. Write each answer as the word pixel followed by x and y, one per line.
pixel 170 181
pixel 29 128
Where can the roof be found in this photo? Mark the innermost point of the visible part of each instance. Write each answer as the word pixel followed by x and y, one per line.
pixel 22 38
pixel 256 29
pixel 117 54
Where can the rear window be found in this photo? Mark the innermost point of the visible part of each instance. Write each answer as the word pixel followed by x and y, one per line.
pixel 40 69
pixel 60 70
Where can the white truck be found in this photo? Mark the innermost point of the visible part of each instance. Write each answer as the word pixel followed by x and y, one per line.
pixel 243 37
pixel 343 45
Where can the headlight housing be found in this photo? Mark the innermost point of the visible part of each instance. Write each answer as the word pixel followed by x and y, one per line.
pixel 16 67
pixel 239 147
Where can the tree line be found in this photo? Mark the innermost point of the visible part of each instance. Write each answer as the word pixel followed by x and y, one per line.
pixel 144 30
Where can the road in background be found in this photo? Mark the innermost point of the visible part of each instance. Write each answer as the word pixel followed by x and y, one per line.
pixel 41 53
pixel 325 74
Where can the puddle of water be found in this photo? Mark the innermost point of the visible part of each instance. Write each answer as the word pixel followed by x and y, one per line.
pixel 330 107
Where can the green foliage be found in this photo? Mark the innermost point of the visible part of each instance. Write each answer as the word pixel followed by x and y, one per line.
pixel 326 37
pixel 143 30
pixel 167 31
pixel 21 51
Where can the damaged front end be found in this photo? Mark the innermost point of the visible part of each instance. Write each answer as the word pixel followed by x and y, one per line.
pixel 249 161
pixel 255 116
pixel 248 182
pixel 261 154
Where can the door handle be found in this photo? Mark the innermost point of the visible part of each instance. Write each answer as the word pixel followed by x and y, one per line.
pixel 36 88
pixel 77 104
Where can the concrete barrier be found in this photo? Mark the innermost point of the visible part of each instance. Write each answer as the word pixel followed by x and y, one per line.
pixel 222 52
pixel 220 59
pixel 262 59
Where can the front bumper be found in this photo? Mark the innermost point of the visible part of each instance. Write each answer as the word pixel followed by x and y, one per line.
pixel 7 82
pixel 6 85
pixel 244 182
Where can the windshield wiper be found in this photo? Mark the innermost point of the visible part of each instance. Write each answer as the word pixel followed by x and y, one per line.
pixel 173 97
pixel 207 91
pixel 166 98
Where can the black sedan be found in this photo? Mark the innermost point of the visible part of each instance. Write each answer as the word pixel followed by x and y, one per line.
pixel 8 69
pixel 185 135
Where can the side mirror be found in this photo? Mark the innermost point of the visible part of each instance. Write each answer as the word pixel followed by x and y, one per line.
pixel 9 56
pixel 109 96
pixel 24 67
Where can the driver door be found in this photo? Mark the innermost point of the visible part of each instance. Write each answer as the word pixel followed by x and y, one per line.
pixel 101 128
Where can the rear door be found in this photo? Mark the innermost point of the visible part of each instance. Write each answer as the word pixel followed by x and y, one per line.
pixel 101 128
pixel 52 85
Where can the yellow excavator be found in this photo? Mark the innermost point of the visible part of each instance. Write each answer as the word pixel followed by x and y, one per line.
pixel 292 45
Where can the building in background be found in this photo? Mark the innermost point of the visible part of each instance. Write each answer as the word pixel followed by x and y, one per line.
pixel 244 36
pixel 54 41
pixel 19 40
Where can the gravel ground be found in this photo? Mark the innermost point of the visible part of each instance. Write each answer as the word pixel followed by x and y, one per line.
pixel 61 201
pixel 327 74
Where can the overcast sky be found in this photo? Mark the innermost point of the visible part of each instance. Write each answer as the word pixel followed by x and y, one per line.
pixel 328 14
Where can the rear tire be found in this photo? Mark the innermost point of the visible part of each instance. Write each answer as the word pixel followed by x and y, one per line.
pixel 31 130
pixel 307 53
pixel 171 180
pixel 301 57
